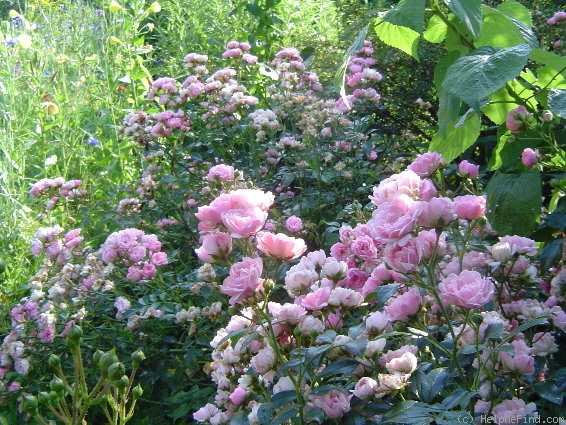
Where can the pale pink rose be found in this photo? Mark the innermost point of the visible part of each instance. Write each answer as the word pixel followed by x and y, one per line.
pixel 404 364
pixel 427 163
pixel 391 354
pixel 364 247
pixel 159 258
pixel 405 183
pixel 395 218
pixel 294 224
pixel 334 270
pixel 512 411
pixel 469 207
pixel 530 157
pixel 468 170
pixel 214 247
pixel 316 300
pixel 345 297
pixel 544 344
pixel 148 271
pixel 438 212
pixel 521 360
pixel 243 223
pixel 427 191
pixel 310 324
pixel 516 119
pixel 289 314
pixel 135 273
pixel 355 279
pixel 404 305
pixel 403 256
pixel 334 320
pixel 377 322
pixel 205 413
pixel 280 246
pixel 221 173
pixel 520 245
pixel 244 280
pixel 284 384
pixel 431 243
pixel 391 382
pixel 137 253
pixel 467 289
pixel 340 251
pixel 298 280
pixel 334 403
pixel 264 360
pixel 238 396
pixel 247 198
pixel 365 388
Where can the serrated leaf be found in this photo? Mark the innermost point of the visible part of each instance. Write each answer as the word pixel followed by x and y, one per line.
pixel 456 140
pixel 508 154
pixel 436 30
pixel 459 397
pixel 514 202
pixel 517 10
pixel 527 325
pixel 283 397
pixel 285 415
pixel 549 392
pixel 502 30
pixel 551 254
pixel 407 13
pixel 474 77
pixel 557 102
pixel 494 331
pixel 469 12
pixel 264 414
pixel 430 385
pixel 548 58
pixel 408 412
pixel 402 38
pixel 356 347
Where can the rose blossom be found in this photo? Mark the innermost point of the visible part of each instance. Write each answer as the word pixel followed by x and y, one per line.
pixel 515 121
pixel 437 212
pixel 238 395
pixel 395 218
pixel 242 223
pixel 469 207
pixel 221 173
pixel 427 163
pixel 293 224
pixel 334 403
pixel 467 290
pixel 264 360
pixel 468 170
pixel 280 246
pixel 405 364
pixel 404 305
pixel 365 388
pixel 244 280
pixel 512 411
pixel 530 157
pixel 214 246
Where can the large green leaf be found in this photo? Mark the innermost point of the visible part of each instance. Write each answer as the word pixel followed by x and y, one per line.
pixel 469 12
pixel 456 139
pixel 436 30
pixel 518 11
pixel 557 102
pixel 407 13
pixel 514 202
pixel 400 37
pixel 474 77
pixel 501 30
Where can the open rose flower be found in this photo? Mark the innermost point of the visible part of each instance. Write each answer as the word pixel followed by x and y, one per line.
pixel 281 246
pixel 244 280
pixel 469 289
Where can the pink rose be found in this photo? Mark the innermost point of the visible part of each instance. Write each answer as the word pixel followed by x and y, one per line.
pixel 404 256
pixel 405 364
pixel 264 360
pixel 293 224
pixel 404 305
pixel 469 207
pixel 364 247
pixel 427 163
pixel 405 183
pixel 214 247
pixel 238 395
pixel 516 119
pixel 242 223
pixel 280 246
pixel 244 280
pixel 467 290
pixel 334 403
pixel 530 157
pixel 135 273
pixel 316 300
pixel 437 212
pixel 221 173
pixel 468 170
pixel 395 218
pixel 365 388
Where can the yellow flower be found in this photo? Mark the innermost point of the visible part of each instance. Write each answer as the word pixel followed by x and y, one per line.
pixel 62 58
pixel 24 41
pixel 155 7
pixel 50 108
pixel 114 40
pixel 115 6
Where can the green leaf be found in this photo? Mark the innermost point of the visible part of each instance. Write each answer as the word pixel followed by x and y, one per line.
pixel 527 325
pixel 456 139
pixel 339 78
pixel 285 415
pixel 549 392
pixel 356 347
pixel 339 367
pixel 402 38
pixel 282 398
pixel 557 102
pixel 474 77
pixel 501 102
pixel 264 414
pixel 502 30
pixel 494 331
pixel 518 11
pixel 551 253
pixel 409 412
pixel 459 397
pixel 548 58
pixel 407 13
pixel 469 12
pixel 430 385
pixel 514 202
pixel 384 292
pixel 436 30
pixel 507 153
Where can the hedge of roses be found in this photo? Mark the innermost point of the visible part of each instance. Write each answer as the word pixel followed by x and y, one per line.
pixel 351 286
